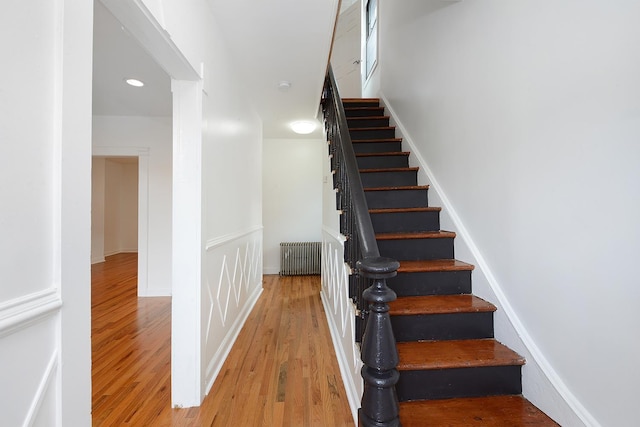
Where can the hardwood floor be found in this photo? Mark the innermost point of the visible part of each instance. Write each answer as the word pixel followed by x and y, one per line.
pixel 282 370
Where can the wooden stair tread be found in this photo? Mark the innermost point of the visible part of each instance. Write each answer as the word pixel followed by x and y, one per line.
pixel 439 304
pixel 347 100
pixel 510 410
pixel 369 117
pixel 407 187
pixel 400 210
pixel 434 265
pixel 388 170
pixel 416 235
pixel 369 140
pixel 374 128
pixel 394 153
pixel 361 108
pixel 451 354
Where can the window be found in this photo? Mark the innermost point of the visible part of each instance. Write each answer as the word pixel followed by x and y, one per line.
pixel 371 52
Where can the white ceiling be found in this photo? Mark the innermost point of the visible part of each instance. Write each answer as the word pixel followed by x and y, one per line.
pixel 117 56
pixel 270 41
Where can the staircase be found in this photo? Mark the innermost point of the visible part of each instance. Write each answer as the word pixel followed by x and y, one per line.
pixel 452 370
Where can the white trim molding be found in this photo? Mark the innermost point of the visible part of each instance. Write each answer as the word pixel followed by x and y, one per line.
pixel 22 312
pixel 221 240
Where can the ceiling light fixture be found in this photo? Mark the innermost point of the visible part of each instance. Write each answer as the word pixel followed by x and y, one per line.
pixel 304 127
pixel 284 86
pixel 134 82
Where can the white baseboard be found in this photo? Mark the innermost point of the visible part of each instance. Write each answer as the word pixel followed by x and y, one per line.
pixel 271 270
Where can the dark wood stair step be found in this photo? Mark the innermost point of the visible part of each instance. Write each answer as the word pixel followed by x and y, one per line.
pixel 353 111
pixel 452 354
pixel 417 245
pixel 368 121
pixel 388 220
pixel 374 128
pixel 439 304
pixel 400 210
pixel 378 140
pixel 396 159
pixel 389 176
pixel 382 145
pixel 357 119
pixel 433 265
pixel 374 132
pixel 432 277
pixel 397 196
pixel 418 235
pixel 512 411
pixel 412 169
pixel 394 153
pixel 407 187
pixel 441 317
pixel 359 100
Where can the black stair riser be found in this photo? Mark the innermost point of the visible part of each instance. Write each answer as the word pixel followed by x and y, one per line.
pixel 377 162
pixel 372 133
pixel 397 199
pixel 460 382
pixel 449 326
pixel 405 221
pixel 360 103
pixel 416 249
pixel 369 112
pixel 431 283
pixel 377 147
pixel 375 122
pixel 389 179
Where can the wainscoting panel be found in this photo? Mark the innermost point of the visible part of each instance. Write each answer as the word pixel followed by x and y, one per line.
pixel 29 357
pixel 232 284
pixel 341 315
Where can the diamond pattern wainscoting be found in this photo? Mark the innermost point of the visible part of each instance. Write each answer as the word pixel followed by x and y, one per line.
pixel 231 287
pixel 341 314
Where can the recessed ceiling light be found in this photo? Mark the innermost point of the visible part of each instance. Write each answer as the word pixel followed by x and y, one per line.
pixel 284 86
pixel 134 82
pixel 304 127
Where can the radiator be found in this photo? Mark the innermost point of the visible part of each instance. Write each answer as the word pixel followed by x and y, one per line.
pixel 300 258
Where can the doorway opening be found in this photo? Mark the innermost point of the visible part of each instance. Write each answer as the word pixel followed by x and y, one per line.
pixel 151 124
pixel 114 207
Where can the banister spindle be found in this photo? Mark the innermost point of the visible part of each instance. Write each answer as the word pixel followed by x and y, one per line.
pixel 378 352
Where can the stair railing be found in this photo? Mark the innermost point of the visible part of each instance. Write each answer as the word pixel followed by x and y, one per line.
pixel 379 405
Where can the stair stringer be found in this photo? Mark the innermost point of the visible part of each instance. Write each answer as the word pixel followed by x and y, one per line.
pixel 542 385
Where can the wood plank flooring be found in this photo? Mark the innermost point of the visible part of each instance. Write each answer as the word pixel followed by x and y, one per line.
pixel 282 370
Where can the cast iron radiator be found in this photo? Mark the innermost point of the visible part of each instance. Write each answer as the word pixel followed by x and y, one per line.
pixel 300 258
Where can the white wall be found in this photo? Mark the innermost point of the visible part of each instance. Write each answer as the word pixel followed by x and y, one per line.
pixel 150 138
pixel 120 207
pixel 97 209
pixel 218 171
pixel 528 116
pixel 45 160
pixel 292 195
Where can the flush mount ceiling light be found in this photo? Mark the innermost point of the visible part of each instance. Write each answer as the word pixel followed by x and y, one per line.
pixel 134 82
pixel 303 127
